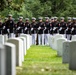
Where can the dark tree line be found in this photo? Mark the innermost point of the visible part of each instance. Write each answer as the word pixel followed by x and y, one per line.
pixel 36 8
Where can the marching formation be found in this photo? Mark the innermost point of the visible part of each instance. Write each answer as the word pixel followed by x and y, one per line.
pixel 40 30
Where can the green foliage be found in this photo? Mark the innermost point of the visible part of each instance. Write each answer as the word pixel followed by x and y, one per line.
pixel 36 8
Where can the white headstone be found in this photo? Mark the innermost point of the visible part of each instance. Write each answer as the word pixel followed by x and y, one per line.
pixel 57 36
pixel 24 44
pixel 2 60
pixel 65 55
pixel 10 55
pixel 1 39
pixel 5 38
pixel 72 57
pixel 27 40
pixel 50 41
pixel 74 38
pixel 19 51
pixel 30 38
pixel 60 46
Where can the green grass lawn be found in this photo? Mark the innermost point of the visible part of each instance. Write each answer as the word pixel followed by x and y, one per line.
pixel 42 60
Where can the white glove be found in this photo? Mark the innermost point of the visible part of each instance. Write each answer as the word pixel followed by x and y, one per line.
pixel 50 29
pixel 26 28
pixel 54 28
pixel 45 28
pixel 8 30
pixel 31 29
pixel 39 28
pixel 72 29
pixel 18 28
pixel 66 29
pixel 60 28
pixel 3 27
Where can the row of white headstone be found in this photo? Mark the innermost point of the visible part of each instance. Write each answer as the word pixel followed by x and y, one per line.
pixel 12 52
pixel 65 48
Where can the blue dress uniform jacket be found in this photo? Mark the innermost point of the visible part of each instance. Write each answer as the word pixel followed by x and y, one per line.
pixel 74 30
pixel 41 25
pixel 27 28
pixel 21 25
pixel 56 26
pixel 0 27
pixel 63 26
pixel 4 27
pixel 34 26
pixel 47 27
pixel 51 28
pixel 10 25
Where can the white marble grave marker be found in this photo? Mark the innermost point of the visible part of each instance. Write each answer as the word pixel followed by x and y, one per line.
pixel 57 36
pixel 72 60
pixel 60 46
pixel 74 38
pixel 27 40
pixel 10 55
pixel 19 51
pixel 65 55
pixel 1 39
pixel 5 38
pixel 24 44
pixel 2 60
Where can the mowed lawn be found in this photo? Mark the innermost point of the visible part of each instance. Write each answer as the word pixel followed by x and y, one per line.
pixel 42 60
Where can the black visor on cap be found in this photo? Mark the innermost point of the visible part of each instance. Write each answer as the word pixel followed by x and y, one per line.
pixel 62 19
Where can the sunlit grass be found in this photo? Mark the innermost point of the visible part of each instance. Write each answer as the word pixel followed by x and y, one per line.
pixel 42 60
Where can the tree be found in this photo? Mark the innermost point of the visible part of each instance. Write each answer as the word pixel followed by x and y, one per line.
pixel 36 8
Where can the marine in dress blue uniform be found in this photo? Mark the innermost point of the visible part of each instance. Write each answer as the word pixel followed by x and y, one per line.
pixel 27 28
pixel 74 27
pixel 20 26
pixel 51 26
pixel 46 31
pixel 0 26
pixel 69 27
pixel 56 26
pixel 40 26
pixel 34 30
pixel 10 26
pixel 63 27
pixel 4 27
